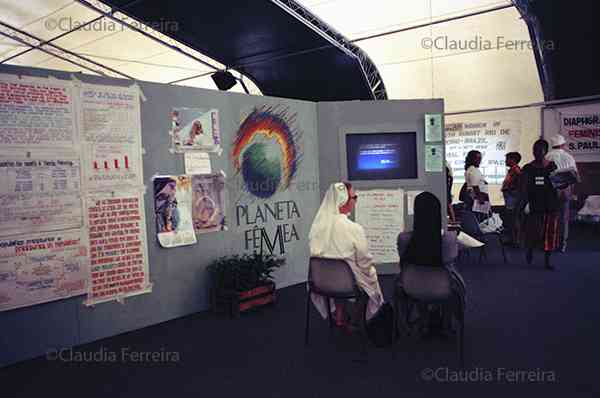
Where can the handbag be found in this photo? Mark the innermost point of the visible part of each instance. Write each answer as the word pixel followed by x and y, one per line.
pixel 491 224
pixel 380 327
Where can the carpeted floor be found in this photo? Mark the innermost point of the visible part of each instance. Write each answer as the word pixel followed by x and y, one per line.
pixel 529 332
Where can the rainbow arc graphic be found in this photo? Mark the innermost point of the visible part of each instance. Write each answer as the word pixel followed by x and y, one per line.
pixel 266 150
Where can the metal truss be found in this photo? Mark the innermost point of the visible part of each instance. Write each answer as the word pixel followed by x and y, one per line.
pixel 34 42
pixel 119 15
pixel 336 39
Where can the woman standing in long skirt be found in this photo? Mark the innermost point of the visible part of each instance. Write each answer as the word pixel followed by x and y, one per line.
pixel 540 205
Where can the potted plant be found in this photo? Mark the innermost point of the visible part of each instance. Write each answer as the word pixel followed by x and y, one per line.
pixel 239 283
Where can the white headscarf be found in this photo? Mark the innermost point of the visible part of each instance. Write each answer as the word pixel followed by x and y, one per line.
pixel 320 231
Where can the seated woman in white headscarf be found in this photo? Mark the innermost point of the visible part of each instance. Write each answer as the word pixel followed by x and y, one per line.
pixel 333 235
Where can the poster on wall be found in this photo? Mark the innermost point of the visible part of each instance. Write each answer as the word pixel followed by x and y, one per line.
pixel 433 127
pixel 36 113
pixel 195 129
pixel 494 139
pixel 173 210
pixel 197 163
pixel 434 158
pixel 111 135
pixel 266 155
pixel 118 246
pixel 208 208
pixel 381 214
pixel 582 133
pixel 39 195
pixel 42 268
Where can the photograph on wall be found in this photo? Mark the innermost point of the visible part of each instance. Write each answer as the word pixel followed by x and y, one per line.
pixel 208 209
pixel 494 139
pixel 381 213
pixel 42 268
pixel 266 152
pixel 39 195
pixel 36 113
pixel 195 129
pixel 111 134
pixel 118 246
pixel 173 210
pixel 581 133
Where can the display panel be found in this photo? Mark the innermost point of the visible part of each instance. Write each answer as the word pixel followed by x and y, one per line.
pixel 382 156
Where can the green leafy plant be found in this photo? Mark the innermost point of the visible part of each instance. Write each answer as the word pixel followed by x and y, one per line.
pixel 240 273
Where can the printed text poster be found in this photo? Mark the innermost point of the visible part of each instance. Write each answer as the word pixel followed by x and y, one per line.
pixel 433 127
pixel 582 133
pixel 434 158
pixel 39 195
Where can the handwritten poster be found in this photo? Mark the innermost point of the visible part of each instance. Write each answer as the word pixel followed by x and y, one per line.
pixel 173 211
pixel 36 113
pixel 381 214
pixel 42 268
pixel 111 136
pixel 494 139
pixel 582 133
pixel 208 208
pixel 39 195
pixel 195 129
pixel 118 246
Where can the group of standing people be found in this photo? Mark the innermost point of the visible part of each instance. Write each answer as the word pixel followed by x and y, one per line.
pixel 537 211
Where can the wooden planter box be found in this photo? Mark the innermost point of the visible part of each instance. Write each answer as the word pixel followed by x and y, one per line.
pixel 235 302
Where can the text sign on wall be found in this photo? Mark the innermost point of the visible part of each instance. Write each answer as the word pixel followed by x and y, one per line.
pixel 582 133
pixel 494 139
pixel 381 213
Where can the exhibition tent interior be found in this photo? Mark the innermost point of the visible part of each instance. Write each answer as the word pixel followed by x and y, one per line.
pixel 493 63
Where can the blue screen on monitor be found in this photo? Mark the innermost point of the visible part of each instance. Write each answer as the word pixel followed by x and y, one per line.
pixel 382 156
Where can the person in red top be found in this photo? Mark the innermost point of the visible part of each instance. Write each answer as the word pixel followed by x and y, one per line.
pixel 510 191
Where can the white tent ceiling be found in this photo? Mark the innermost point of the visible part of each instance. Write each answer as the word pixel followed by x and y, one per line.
pixel 465 78
pixel 105 41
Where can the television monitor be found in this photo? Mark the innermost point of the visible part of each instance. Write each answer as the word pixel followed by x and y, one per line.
pixel 382 156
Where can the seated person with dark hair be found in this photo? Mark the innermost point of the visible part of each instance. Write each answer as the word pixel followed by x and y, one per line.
pixel 427 245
